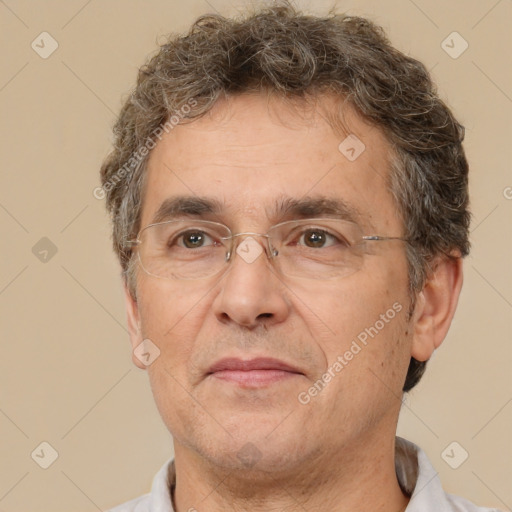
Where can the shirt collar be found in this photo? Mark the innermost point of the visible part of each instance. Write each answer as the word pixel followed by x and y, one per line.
pixel 164 481
pixel 418 478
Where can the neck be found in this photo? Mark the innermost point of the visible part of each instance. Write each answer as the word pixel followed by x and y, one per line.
pixel 361 478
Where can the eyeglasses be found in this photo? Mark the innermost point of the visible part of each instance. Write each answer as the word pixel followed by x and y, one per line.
pixel 306 248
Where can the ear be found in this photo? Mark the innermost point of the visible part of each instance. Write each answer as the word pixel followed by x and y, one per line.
pixel 435 306
pixel 132 315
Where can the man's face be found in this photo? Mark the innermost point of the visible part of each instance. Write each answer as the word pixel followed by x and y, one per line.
pixel 249 155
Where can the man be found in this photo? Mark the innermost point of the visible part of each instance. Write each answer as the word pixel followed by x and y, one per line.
pixel 290 210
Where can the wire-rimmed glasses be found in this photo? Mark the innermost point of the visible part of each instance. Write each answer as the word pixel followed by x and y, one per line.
pixel 322 248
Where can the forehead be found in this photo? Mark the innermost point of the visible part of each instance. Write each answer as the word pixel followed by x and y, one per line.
pixel 252 153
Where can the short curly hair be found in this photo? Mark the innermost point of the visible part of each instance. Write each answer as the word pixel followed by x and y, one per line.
pixel 293 55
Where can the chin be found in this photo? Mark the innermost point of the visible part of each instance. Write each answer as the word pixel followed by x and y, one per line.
pixel 255 446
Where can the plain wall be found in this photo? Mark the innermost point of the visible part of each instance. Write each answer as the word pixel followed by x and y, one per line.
pixel 66 371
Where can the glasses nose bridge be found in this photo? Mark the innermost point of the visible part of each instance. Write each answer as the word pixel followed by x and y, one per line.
pixel 269 249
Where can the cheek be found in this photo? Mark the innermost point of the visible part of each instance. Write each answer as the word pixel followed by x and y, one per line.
pixel 171 319
pixel 338 312
pixel 362 319
pixel 383 301
pixel 171 398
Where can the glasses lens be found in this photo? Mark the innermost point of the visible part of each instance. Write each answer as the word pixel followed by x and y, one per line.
pixel 183 249
pixel 310 248
pixel 317 248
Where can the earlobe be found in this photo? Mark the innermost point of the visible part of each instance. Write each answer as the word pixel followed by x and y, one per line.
pixel 134 328
pixel 436 306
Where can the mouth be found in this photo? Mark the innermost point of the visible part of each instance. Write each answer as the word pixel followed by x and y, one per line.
pixel 253 373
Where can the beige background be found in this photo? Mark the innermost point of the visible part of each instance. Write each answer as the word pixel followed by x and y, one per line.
pixel 66 370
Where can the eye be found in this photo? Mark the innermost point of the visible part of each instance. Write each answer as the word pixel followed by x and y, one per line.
pixel 317 238
pixel 193 239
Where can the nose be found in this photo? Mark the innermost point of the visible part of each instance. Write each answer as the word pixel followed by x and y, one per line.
pixel 251 293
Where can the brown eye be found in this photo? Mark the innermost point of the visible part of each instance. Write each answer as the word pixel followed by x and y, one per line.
pixel 316 238
pixel 194 239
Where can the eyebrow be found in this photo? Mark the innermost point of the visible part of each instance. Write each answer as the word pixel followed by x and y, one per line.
pixel 283 209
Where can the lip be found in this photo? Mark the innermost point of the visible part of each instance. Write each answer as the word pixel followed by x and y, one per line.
pixel 258 372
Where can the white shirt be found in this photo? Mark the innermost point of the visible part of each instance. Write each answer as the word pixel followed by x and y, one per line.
pixel 415 473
